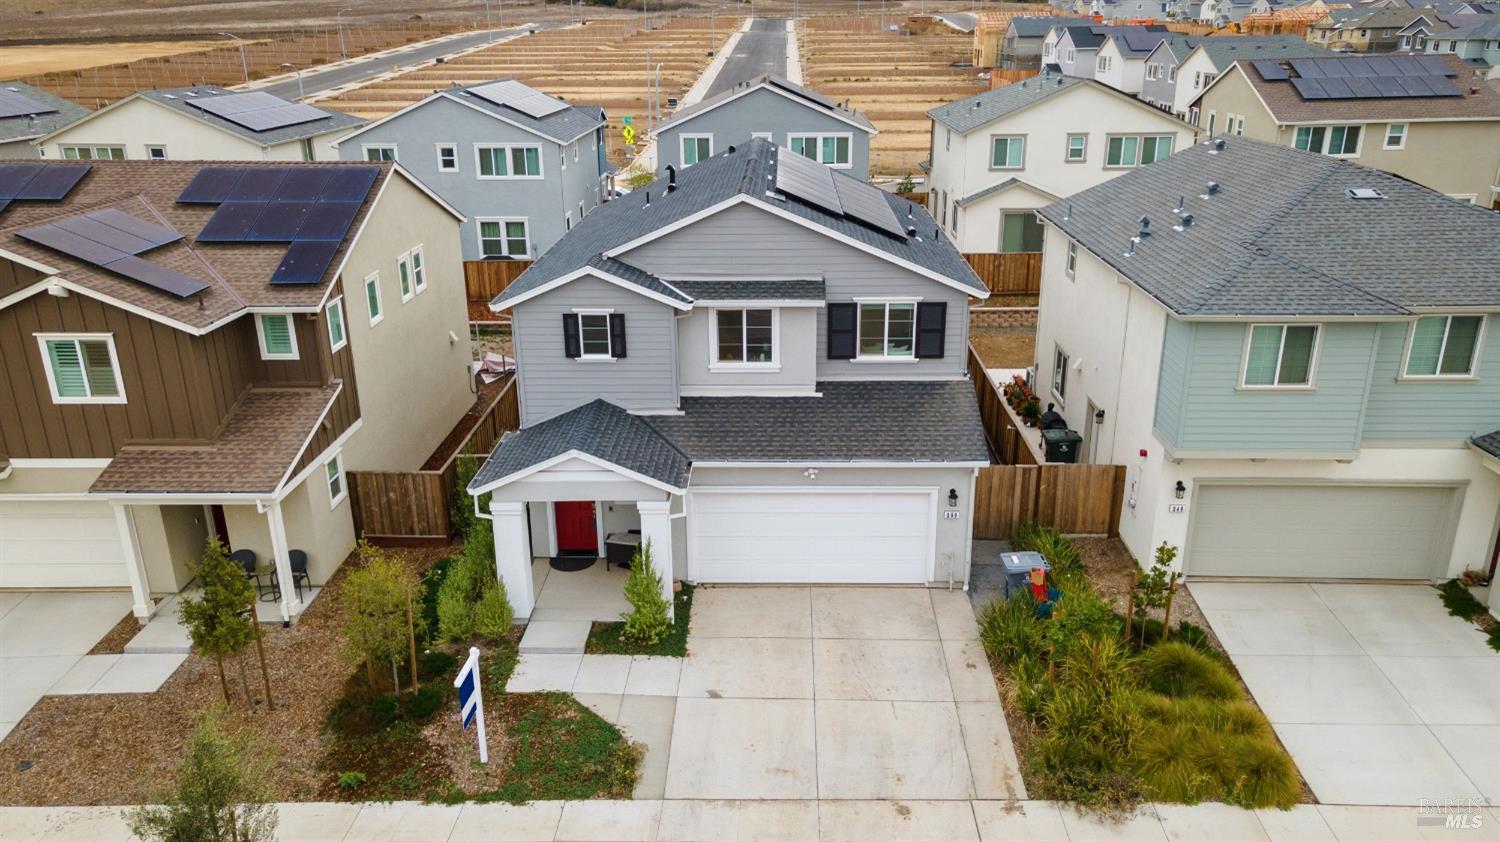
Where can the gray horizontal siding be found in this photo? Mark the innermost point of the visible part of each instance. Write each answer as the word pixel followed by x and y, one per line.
pixel 1172 381
pixel 551 383
pixel 762 111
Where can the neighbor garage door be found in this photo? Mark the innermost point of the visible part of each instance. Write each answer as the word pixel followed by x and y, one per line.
pixel 1320 531
pixel 46 544
pixel 833 535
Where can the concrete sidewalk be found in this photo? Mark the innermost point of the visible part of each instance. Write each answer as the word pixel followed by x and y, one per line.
pixel 813 821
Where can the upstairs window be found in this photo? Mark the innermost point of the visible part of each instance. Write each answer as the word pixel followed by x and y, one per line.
pixel 744 337
pixel 1337 141
pixel 594 335
pixel 1072 265
pixel 1279 356
pixel 94 153
pixel 1059 373
pixel 82 368
pixel 333 473
pixel 380 152
pixel 1138 150
pixel 509 161
pixel 447 157
pixel 829 149
pixel 1444 346
pixel 1078 146
pixel 1395 136
pixel 1007 152
pixel 278 339
pixel 887 329
pixel 335 316
pixel 418 269
pixel 372 299
pixel 696 148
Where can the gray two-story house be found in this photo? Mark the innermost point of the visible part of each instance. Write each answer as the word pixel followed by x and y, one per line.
pixel 757 365
pixel 769 107
pixel 522 167
pixel 1296 358
pixel 27 113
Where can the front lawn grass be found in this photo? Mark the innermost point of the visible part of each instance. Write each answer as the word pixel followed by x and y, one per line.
pixel 606 639
pixel 557 749
pixel 1106 725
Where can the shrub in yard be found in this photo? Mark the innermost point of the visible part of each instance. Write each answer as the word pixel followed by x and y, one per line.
pixel 1177 669
pixel 1058 550
pixel 219 795
pixel 1459 601
pixel 492 614
pixel 1184 632
pixel 218 622
pixel 1030 686
pixel 1494 637
pixel 647 621
pixel 462 514
pixel 379 603
pixel 1010 629
pixel 455 604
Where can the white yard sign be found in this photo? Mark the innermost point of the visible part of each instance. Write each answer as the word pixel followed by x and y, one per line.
pixel 471 701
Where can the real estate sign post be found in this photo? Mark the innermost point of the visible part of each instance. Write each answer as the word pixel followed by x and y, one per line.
pixel 471 701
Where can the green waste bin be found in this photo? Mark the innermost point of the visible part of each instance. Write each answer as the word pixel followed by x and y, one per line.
pixel 1061 445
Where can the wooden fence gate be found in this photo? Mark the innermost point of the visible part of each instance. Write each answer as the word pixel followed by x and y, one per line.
pixel 1074 499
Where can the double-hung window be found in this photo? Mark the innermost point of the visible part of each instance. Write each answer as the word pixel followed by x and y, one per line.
pixel 278 337
pixel 418 270
pixel 372 298
pixel 1007 152
pixel 830 149
pixel 333 474
pixel 593 336
pixel 1338 141
pixel 1072 265
pixel 1138 150
pixel 504 238
pixel 886 330
pixel 403 272
pixel 380 152
pixel 696 148
pixel 1444 346
pixel 447 157
pixel 1280 356
pixel 744 337
pixel 1395 136
pixel 495 161
pixel 1059 374
pixel 82 368
pixel 1078 146
pixel 334 313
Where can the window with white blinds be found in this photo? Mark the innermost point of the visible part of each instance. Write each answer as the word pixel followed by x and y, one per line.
pixel 1444 346
pixel 82 369
pixel 278 341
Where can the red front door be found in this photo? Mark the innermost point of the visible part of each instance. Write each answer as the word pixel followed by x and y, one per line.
pixel 575 527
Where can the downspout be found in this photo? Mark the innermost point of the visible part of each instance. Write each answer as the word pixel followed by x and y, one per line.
pixel 1114 432
pixel 969 546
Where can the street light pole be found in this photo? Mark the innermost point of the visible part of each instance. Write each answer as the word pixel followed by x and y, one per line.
pixel 301 94
pixel 488 24
pixel 241 42
pixel 338 22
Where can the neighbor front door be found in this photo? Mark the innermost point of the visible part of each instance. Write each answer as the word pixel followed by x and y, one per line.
pixel 575 527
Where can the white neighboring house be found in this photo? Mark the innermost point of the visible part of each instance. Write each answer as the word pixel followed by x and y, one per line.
pixel 1301 385
pixel 999 155
pixel 202 123
pixel 1121 61
pixel 1210 57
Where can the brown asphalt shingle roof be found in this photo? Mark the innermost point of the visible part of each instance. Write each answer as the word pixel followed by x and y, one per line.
pixel 261 440
pixel 1478 102
pixel 237 273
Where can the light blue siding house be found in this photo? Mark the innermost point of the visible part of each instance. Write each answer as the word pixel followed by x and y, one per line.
pixel 521 166
pixel 770 107
pixel 1296 358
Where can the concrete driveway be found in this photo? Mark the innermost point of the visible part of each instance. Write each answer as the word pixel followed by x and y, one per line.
pixel 1380 696
pixel 42 636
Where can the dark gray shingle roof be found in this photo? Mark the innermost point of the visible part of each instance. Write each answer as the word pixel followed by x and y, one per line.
pixel 598 428
pixel 1489 443
pixel 562 126
pixel 701 186
pixel 1224 49
pixel 806 96
pixel 177 99
pixel 1281 237
pixel 23 128
pixel 752 290
pixel 968 114
pixel 1037 26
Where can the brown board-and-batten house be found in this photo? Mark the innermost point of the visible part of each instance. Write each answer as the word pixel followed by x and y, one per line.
pixel 196 349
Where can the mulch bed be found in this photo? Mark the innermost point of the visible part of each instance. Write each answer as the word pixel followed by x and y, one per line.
pixel 114 642
pixel 105 749
pixel 466 424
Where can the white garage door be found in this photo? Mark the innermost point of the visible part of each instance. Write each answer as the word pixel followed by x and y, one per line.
pixel 1321 531
pixel 60 545
pixel 828 536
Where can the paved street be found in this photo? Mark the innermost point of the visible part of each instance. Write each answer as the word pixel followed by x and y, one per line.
pixel 761 50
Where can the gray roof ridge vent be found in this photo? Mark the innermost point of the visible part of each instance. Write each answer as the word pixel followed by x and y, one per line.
pixel 1185 224
pixel 1145 232
pixel 1210 189
pixel 1216 146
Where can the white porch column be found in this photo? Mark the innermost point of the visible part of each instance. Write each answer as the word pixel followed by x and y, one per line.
pixel 513 555
pixel 656 528
pixel 291 606
pixel 135 566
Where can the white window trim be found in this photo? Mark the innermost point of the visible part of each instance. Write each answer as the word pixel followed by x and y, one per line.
pixel 1473 372
pixel 716 364
pixel 93 149
pixel 439 149
pixel 364 151
pixel 418 274
pixel 479 234
pixel 763 135
pixel 379 316
pixel 1070 262
pixel 260 334
pixel 1059 351
pixel 409 292
pixel 1328 138
pixel 817 138
pixel 151 146
pixel 1140 145
pixel 1067 149
pixel 337 302
pixel 337 459
pixel 541 162
pixel 1312 363
pixel 682 148
pixel 114 360
pixel 991 151
pixel 859 328
pixel 583 355
pixel 1386 141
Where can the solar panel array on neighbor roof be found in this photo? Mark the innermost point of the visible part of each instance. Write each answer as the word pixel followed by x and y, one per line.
pixel 112 239
pixel 512 94
pixel 805 179
pixel 38 182
pixel 13 103
pixel 1363 77
pixel 257 111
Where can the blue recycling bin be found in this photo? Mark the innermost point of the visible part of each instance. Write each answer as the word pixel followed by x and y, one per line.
pixel 1018 567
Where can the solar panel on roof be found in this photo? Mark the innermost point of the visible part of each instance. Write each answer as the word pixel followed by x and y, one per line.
pixel 1381 66
pixel 71 244
pixel 1359 67
pixel 54 182
pixel 1363 87
pixel 103 234
pixel 796 90
pixel 1336 88
pixel 523 98
pixel 1388 86
pixel 155 275
pixel 155 235
pixel 328 221
pixel 1333 68
pixel 231 222
pixel 1443 86
pixel 349 184
pixel 257 111
pixel 258 184
pixel 211 185
pixel 1434 66
pixel 807 180
pixel 868 204
pixel 1270 70
pixel 15 177
pixel 304 263
pixel 279 222
pixel 302 185
pixel 1309 88
pixel 17 104
pixel 1307 68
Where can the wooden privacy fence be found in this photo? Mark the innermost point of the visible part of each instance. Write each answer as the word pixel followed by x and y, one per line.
pixel 999 424
pixel 396 506
pixel 1013 274
pixel 1074 499
pixel 485 279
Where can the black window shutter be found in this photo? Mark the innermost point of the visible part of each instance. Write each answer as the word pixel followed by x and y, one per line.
pixel 932 322
pixel 571 346
pixel 617 335
pixel 841 331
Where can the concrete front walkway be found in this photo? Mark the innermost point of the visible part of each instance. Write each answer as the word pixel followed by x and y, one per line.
pixel 803 693
pixel 1380 696
pixel 792 821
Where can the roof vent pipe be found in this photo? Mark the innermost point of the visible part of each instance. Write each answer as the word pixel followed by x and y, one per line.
pixel 1185 224
pixel 936 231
pixel 1069 213
pixel 1130 249
pixel 911 230
pixel 1145 226
pixel 648 200
pixel 1181 205
pixel 1212 189
pixel 730 150
pixel 671 178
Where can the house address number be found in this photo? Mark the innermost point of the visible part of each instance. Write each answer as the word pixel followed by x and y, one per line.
pixel 1176 508
pixel 950 515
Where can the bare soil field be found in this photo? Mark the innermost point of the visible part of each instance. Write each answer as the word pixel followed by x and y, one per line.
pixel 33 59
pixel 600 63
